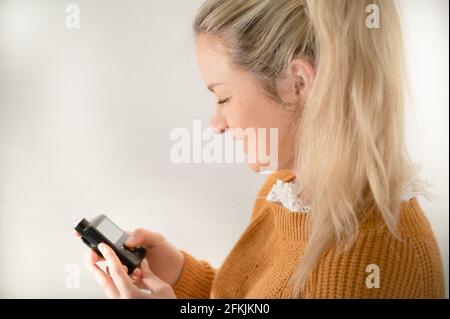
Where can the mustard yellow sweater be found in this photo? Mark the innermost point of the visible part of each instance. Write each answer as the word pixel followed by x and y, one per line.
pixel 267 253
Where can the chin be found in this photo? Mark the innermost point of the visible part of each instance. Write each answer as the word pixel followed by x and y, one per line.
pixel 255 167
pixel 261 169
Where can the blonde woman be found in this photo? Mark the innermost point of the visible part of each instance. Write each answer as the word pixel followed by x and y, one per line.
pixel 340 218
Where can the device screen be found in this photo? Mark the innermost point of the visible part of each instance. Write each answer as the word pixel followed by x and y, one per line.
pixel 111 231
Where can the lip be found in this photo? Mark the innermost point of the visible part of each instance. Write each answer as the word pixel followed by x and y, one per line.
pixel 215 130
pixel 235 137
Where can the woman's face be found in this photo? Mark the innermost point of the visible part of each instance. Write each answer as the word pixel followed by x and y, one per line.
pixel 241 103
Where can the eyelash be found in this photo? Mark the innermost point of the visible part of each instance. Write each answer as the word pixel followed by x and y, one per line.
pixel 223 101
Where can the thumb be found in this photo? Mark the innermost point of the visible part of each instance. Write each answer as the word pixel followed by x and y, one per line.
pixel 143 237
pixel 134 241
pixel 145 269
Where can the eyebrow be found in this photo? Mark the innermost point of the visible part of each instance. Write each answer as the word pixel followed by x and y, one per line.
pixel 213 85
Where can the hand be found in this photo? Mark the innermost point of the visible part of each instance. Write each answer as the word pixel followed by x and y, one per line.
pixel 165 260
pixel 117 284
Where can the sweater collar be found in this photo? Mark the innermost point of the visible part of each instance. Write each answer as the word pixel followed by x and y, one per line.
pixel 296 226
pixel 292 226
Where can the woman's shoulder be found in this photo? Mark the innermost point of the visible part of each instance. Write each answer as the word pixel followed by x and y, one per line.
pixel 408 263
pixel 412 221
pixel 412 240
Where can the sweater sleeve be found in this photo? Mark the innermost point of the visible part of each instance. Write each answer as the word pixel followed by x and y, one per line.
pixel 195 280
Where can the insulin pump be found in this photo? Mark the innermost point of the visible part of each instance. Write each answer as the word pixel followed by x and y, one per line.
pixel 102 230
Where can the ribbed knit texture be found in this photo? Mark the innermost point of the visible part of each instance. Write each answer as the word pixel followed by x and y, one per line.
pixel 269 250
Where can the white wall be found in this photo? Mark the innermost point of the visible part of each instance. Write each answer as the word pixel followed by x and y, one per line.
pixel 85 117
pixel 426 32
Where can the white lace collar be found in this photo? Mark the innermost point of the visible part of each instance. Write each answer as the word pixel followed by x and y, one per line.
pixel 284 193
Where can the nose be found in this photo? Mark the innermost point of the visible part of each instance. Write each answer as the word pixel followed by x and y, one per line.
pixel 218 121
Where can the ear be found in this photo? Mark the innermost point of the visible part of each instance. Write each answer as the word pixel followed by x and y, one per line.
pixel 302 76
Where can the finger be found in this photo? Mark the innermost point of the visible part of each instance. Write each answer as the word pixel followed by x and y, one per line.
pixel 144 237
pixel 136 274
pixel 76 234
pixel 134 240
pixel 124 268
pixel 117 271
pixel 93 257
pixel 104 280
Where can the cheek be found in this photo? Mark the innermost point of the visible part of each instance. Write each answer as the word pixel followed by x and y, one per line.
pixel 242 117
pixel 248 111
pixel 252 112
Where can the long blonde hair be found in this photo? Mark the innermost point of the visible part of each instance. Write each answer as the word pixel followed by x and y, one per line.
pixel 351 153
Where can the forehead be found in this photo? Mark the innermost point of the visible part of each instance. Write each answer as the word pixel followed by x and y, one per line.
pixel 212 59
pixel 216 67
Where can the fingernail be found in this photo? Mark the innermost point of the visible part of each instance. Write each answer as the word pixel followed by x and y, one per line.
pixel 101 247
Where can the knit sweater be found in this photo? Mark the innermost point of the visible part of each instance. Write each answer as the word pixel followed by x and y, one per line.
pixel 266 255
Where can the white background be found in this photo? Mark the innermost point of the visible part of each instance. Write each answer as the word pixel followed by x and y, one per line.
pixel 85 118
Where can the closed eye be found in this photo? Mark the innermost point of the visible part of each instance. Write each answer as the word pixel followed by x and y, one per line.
pixel 223 101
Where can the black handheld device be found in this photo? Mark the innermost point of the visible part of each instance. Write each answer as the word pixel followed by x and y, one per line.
pixel 102 230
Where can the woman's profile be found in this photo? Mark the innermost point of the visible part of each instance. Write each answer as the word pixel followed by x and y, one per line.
pixel 340 216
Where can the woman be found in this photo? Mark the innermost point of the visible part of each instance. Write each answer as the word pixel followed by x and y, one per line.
pixel 336 219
